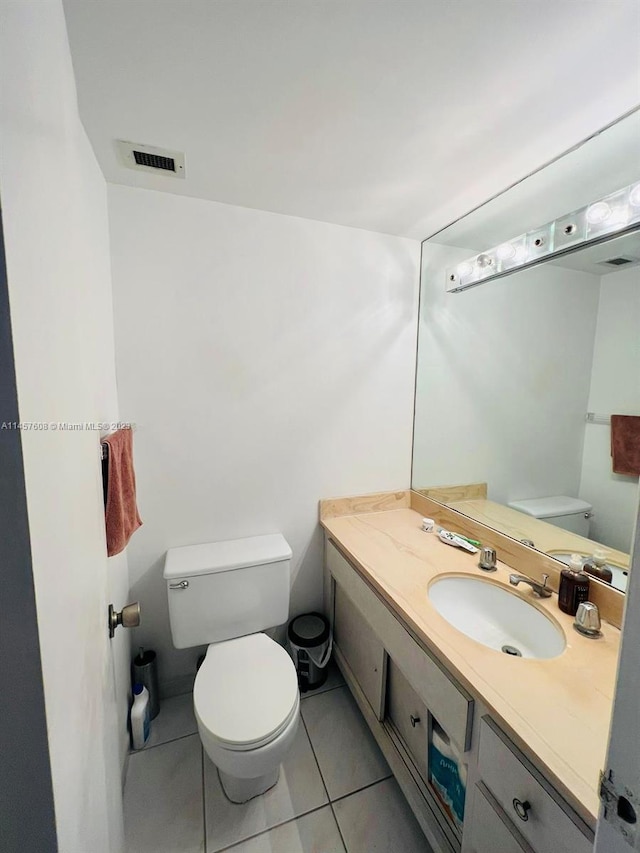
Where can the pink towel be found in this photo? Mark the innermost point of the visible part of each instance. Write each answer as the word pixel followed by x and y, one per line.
pixel 625 444
pixel 121 512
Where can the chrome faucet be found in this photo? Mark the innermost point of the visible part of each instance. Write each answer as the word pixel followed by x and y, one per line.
pixel 539 589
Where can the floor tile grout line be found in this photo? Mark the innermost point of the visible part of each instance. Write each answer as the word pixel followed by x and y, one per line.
pixel 204 800
pixel 322 692
pixel 342 838
pixel 275 826
pixel 325 805
pixel 315 757
pixel 356 790
pixel 344 843
pixel 163 743
pixel 364 788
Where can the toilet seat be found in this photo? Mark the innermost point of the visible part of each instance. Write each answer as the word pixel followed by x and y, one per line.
pixel 246 692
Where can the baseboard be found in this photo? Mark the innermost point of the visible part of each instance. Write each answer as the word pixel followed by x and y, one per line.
pixel 177 686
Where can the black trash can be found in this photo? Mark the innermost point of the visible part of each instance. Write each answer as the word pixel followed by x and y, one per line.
pixel 310 642
pixel 145 671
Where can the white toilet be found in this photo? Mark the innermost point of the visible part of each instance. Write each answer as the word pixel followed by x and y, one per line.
pixel 569 513
pixel 246 697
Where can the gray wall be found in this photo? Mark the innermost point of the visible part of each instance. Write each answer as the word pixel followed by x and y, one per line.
pixel 27 820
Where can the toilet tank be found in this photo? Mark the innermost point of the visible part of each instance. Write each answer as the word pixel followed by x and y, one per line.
pixel 569 513
pixel 224 590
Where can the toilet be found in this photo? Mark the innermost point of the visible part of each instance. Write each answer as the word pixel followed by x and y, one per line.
pixel 569 513
pixel 246 698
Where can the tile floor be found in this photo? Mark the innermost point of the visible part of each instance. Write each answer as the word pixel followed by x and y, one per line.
pixel 336 793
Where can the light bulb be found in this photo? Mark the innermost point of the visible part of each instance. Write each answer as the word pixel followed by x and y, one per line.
pixel 506 252
pixel 598 213
pixel 484 261
pixel 634 196
pixel 464 269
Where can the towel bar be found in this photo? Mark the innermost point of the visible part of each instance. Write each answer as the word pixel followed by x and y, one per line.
pixel 592 418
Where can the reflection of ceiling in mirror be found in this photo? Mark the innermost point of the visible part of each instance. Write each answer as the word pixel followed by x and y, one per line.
pixel 605 257
pixel 604 163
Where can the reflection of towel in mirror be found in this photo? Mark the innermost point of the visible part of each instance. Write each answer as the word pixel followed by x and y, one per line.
pixel 625 444
pixel 121 513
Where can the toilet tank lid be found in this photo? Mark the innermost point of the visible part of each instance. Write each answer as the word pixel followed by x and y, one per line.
pixel 551 506
pixel 212 557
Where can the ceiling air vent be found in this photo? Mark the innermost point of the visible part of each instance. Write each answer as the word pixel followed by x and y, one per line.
pixel 618 262
pixel 147 158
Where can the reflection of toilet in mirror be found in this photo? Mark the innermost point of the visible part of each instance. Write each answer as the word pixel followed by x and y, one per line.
pixel 245 697
pixel 568 513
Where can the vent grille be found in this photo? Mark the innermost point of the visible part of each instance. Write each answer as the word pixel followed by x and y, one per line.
pixel 150 159
pixel 155 161
pixel 618 262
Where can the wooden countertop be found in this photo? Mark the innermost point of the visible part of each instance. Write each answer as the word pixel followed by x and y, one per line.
pixel 547 537
pixel 557 710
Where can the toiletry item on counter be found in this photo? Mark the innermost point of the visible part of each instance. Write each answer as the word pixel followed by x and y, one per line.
pixel 140 716
pixel 574 586
pixel 447 774
pixel 596 566
pixel 487 561
pixel 457 541
pixel 587 621
pixel 428 524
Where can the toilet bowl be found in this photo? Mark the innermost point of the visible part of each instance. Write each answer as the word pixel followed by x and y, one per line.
pixel 247 706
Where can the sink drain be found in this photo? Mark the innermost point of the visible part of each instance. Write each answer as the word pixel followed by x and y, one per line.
pixel 511 650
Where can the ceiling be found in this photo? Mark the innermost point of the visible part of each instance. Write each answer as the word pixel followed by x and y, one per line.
pixel 390 115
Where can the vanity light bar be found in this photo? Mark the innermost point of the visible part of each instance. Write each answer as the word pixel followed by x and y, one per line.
pixel 608 217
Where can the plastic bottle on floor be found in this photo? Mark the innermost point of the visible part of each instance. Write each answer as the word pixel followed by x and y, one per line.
pixel 140 716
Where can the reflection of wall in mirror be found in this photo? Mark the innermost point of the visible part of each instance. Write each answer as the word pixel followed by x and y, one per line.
pixel 504 382
pixel 615 389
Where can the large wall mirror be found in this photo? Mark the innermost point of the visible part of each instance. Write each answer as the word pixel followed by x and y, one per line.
pixel 519 375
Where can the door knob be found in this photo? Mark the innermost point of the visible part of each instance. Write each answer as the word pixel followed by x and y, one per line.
pixel 128 617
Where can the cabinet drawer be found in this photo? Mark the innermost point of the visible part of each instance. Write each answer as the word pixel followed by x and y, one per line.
pixel 447 701
pixel 361 649
pixel 551 825
pixel 489 830
pixel 403 706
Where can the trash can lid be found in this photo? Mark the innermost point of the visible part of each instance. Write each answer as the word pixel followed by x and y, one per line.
pixel 309 630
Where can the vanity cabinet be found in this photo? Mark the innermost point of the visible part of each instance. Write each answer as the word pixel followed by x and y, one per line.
pixel 409 715
pixel 361 649
pixel 493 832
pixel 525 796
pixel 400 687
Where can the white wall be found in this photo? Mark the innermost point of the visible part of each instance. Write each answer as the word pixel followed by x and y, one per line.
pixel 269 362
pixel 502 383
pixel 57 247
pixel 615 389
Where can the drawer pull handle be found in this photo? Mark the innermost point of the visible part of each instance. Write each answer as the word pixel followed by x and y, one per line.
pixel 521 809
pixel 414 720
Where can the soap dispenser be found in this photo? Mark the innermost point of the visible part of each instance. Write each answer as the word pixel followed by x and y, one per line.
pixel 596 566
pixel 574 586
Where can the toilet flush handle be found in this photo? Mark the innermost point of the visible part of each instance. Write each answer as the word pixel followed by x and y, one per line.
pixel 181 585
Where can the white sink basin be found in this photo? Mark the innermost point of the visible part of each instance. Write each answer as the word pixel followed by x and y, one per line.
pixel 496 617
pixel 620 577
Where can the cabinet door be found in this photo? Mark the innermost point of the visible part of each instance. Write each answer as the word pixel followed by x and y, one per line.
pixel 409 715
pixel 541 815
pixel 488 830
pixel 444 697
pixel 362 650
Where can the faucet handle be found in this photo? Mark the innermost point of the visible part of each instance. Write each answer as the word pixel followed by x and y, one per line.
pixel 587 619
pixel 487 561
